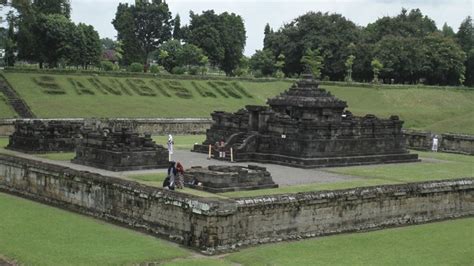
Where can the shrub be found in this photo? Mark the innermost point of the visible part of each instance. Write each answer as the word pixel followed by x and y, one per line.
pixel 107 66
pixel 194 70
pixel 177 70
pixel 156 69
pixel 135 67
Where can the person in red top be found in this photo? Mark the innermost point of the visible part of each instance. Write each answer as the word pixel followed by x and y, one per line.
pixel 180 178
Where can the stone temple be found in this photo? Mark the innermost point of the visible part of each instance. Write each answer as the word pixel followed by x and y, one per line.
pixel 123 150
pixel 41 136
pixel 307 127
pixel 224 178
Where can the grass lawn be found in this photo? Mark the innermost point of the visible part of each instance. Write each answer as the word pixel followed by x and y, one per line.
pixel 3 142
pixel 6 111
pixel 444 243
pixel 35 234
pixel 441 166
pixel 439 110
pixel 58 156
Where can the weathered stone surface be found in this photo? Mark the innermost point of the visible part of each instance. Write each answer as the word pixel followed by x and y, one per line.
pixel 308 127
pixel 120 151
pixel 154 126
pixel 219 225
pixel 453 143
pixel 223 178
pixel 39 136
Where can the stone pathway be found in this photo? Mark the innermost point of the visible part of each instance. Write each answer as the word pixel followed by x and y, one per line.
pixel 282 175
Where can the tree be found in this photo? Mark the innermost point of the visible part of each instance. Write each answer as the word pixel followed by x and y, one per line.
pixel 108 44
pixel 349 63
pixel 190 55
pixel 50 7
pixel 465 38
pixel 444 61
pixel 331 33
pixel 55 34
pixel 177 34
pixel 448 31
pixel 221 37
pixel 167 55
pixel 313 61
pixel 376 67
pixel 10 42
pixel 91 50
pixel 142 28
pixel 465 34
pixel 263 62
pixel 125 27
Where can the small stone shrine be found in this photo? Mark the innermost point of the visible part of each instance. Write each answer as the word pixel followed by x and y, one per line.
pixel 40 136
pixel 223 178
pixel 307 127
pixel 120 151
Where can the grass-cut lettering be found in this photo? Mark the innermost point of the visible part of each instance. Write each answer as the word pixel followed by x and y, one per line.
pixel 96 85
pixel 219 90
pixel 118 84
pixel 160 88
pixel 139 87
pixel 178 89
pixel 227 87
pixel 48 85
pixel 202 90
pixel 108 88
pixel 238 86
pixel 79 87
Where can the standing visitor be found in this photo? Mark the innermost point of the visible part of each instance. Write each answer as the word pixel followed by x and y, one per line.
pixel 180 177
pixel 170 147
pixel 435 144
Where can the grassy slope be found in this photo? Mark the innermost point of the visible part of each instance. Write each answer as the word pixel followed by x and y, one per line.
pixel 439 110
pixel 41 235
pixel 5 109
pixel 35 234
pixel 99 105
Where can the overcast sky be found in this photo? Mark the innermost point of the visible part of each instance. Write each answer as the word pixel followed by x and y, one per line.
pixel 256 14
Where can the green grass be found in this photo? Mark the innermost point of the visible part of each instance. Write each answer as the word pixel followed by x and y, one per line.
pixel 158 177
pixel 445 166
pixel 439 110
pixel 3 142
pixel 6 111
pixel 35 234
pixel 444 243
pixel 61 156
pixel 181 142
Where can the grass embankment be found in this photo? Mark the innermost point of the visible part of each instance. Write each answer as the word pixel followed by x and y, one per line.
pixel 6 110
pixel 35 234
pixel 52 96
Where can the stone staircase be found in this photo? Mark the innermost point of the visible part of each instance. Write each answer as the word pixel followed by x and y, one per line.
pixel 20 107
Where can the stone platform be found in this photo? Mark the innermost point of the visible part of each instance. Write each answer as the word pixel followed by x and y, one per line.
pixel 120 151
pixel 223 178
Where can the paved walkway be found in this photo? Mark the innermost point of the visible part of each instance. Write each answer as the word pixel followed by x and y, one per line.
pixel 282 175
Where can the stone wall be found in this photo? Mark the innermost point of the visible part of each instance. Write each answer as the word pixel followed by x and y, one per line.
pixel 154 126
pixel 454 143
pixel 218 225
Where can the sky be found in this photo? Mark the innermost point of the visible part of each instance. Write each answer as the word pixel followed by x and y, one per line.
pixel 256 13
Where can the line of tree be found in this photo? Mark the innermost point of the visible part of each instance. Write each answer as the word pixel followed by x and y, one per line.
pixel 407 48
pixel 41 31
pixel 147 31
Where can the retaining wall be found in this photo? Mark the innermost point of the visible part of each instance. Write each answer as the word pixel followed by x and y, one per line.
pixel 454 143
pixel 218 225
pixel 154 126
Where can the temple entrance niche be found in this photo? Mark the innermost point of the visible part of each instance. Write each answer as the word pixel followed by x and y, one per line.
pixel 253 121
